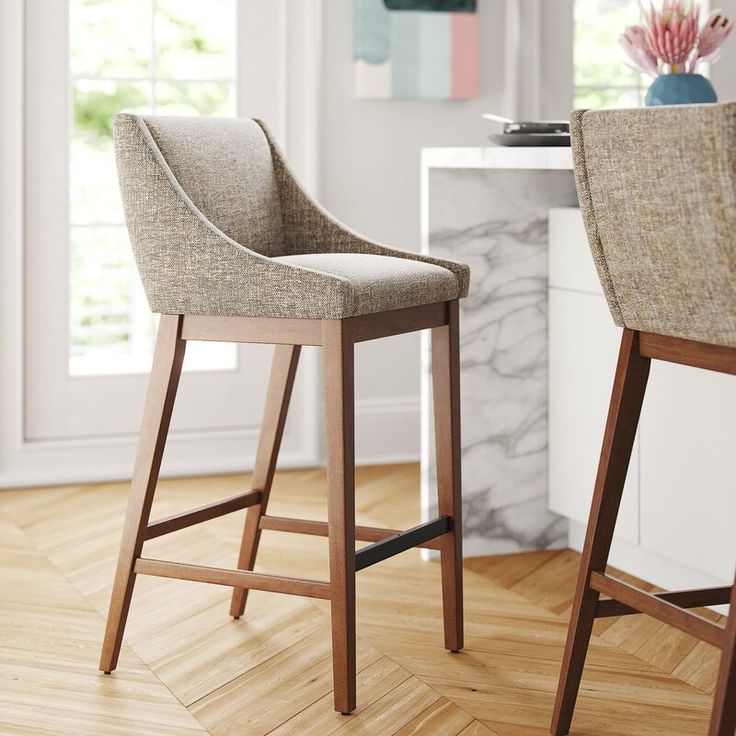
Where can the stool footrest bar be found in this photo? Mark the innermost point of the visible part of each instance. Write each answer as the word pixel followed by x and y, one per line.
pixel 233 578
pixel 697 598
pixel 319 529
pixel 400 542
pixel 203 513
pixel 659 608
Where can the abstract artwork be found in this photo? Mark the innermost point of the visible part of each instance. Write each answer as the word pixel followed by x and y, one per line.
pixel 416 49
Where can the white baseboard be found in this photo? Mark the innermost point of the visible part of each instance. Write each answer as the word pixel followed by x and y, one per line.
pixel 109 460
pixel 387 431
pixel 648 565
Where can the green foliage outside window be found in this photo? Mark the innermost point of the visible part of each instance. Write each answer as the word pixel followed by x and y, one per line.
pixel 602 77
pixel 172 57
pixel 94 108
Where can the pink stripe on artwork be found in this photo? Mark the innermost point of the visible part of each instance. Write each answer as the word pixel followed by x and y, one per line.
pixel 463 55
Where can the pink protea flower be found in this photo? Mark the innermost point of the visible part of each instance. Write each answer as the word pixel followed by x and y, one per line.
pixel 672 32
pixel 714 32
pixel 635 43
pixel 671 37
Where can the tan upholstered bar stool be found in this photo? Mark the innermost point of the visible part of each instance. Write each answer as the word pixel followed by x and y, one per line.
pixel 229 247
pixel 657 189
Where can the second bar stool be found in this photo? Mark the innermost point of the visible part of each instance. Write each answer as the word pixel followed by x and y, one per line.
pixel 657 189
pixel 229 247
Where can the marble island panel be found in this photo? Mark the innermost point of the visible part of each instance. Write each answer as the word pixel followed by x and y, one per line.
pixel 489 207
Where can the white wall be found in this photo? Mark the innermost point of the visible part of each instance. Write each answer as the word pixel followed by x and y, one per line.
pixel 722 73
pixel 369 168
pixel 556 65
pixel 369 178
pixel 369 174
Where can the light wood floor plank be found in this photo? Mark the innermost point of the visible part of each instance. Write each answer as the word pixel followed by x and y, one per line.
pixel 476 728
pixel 395 710
pixel 699 668
pixel 49 641
pixel 443 716
pixel 271 671
pixel 320 718
pixel 275 691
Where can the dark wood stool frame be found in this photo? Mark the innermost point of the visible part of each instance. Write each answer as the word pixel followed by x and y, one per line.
pixel 632 372
pixel 337 337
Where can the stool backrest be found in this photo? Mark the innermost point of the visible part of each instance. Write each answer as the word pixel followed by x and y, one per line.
pixel 657 188
pixel 223 165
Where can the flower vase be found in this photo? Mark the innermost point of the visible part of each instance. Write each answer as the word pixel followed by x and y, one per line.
pixel 680 89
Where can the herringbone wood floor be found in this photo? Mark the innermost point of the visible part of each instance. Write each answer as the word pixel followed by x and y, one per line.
pixel 187 668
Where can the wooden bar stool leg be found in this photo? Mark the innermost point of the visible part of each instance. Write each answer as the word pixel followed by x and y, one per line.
pixel 629 386
pixel 340 446
pixel 281 382
pixel 446 395
pixel 723 720
pixel 162 385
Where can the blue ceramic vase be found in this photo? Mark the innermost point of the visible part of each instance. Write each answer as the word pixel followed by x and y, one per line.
pixel 680 89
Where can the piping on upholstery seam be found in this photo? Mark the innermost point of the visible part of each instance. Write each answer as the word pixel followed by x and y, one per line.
pixel 589 198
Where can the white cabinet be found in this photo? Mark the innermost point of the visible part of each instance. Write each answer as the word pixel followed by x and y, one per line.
pixel 583 346
pixel 571 265
pixel 688 468
pixel 679 505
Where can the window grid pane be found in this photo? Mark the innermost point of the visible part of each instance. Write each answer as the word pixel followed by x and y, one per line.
pixel 603 76
pixel 162 56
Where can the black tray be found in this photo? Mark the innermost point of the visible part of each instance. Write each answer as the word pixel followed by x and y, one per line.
pixel 531 139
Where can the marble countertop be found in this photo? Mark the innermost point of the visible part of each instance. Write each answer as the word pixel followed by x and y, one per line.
pixel 497 157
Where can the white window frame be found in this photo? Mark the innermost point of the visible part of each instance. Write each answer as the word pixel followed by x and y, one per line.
pixel 215 357
pixel 291 106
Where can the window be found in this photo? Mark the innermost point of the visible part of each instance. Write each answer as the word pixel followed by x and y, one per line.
pixel 602 77
pixel 170 57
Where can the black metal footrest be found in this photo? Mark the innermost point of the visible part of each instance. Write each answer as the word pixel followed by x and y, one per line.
pixel 401 542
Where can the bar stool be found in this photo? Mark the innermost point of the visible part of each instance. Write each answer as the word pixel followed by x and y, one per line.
pixel 657 189
pixel 229 247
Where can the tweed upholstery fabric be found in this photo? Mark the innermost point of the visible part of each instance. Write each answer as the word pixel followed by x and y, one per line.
pixel 311 229
pixel 224 165
pixel 657 188
pixel 380 283
pixel 182 195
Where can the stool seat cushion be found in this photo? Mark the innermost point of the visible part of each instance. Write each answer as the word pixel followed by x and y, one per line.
pixel 221 227
pixel 373 283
